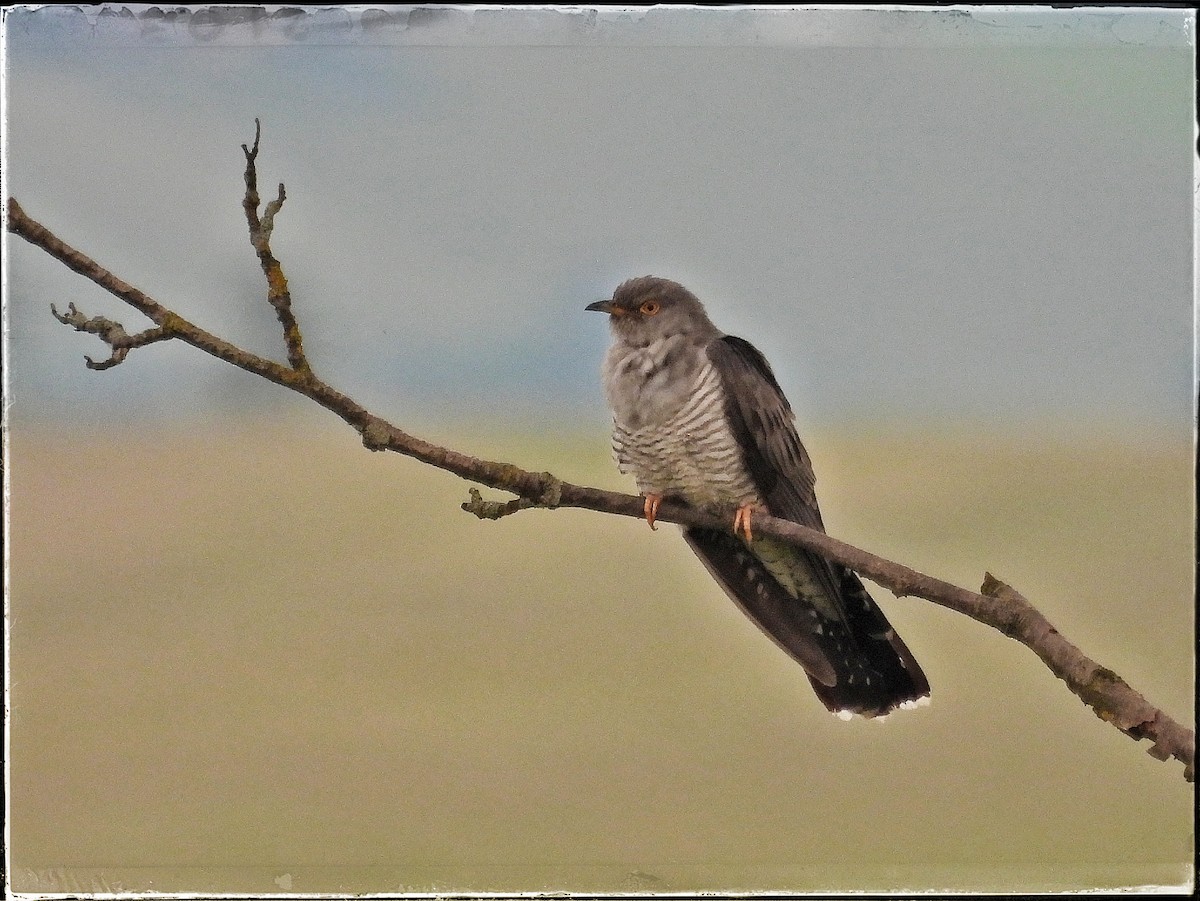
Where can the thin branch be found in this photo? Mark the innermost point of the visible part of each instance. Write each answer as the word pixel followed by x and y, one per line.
pixel 494 509
pixel 112 333
pixel 178 327
pixel 278 294
pixel 998 605
pixel 1109 695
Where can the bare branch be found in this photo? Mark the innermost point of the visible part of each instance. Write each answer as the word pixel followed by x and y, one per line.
pixel 997 605
pixel 178 327
pixel 112 333
pixel 1110 696
pixel 494 509
pixel 550 498
pixel 250 201
pixel 267 224
pixel 278 294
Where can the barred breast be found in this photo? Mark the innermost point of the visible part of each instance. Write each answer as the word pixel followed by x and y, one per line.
pixel 692 453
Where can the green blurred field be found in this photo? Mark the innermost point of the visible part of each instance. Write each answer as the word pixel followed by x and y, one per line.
pixel 250 658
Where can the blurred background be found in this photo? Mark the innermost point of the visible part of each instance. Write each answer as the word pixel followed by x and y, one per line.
pixel 246 655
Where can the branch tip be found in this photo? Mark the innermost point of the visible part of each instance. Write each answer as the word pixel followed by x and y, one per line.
pixel 267 224
pixel 15 213
pixel 260 239
pixel 111 333
pixel 252 152
pixel 494 509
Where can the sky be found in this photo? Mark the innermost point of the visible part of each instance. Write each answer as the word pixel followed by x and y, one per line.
pixel 923 214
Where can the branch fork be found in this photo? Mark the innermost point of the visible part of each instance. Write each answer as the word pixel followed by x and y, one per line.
pixel 111 333
pixel 547 499
pixel 278 294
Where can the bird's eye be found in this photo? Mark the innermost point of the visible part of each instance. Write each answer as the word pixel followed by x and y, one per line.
pixel 649 308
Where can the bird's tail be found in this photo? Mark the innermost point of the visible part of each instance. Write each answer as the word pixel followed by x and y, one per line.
pixel 821 615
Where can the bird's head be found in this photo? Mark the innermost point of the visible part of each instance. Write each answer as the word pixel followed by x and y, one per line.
pixel 644 309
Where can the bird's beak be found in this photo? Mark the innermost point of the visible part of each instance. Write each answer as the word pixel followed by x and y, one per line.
pixel 605 306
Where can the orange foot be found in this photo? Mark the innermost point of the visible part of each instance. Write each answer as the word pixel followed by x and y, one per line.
pixel 741 522
pixel 650 508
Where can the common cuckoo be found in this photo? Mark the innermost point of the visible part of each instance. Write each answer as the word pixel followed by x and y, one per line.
pixel 698 416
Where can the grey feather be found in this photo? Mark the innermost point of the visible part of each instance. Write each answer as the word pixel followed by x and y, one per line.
pixel 764 424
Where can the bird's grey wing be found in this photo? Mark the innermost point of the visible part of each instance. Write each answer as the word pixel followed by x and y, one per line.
pixel 817 611
pixel 762 423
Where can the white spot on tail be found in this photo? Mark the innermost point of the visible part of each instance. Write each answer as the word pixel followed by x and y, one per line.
pixel 911 704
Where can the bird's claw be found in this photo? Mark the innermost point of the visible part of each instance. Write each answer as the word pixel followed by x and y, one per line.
pixel 741 522
pixel 650 508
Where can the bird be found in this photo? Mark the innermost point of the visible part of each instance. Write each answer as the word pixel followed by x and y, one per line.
pixel 699 418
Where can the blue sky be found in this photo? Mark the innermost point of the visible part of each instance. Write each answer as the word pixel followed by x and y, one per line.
pixel 931 214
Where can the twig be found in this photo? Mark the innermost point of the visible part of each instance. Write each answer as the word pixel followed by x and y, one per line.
pixel 278 294
pixel 112 333
pixel 494 509
pixel 174 324
pixel 998 606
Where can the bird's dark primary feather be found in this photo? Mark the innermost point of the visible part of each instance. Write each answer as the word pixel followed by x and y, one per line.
pixel 853 657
